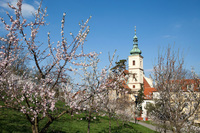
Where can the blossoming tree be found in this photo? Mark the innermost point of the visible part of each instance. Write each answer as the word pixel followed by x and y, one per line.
pixel 178 98
pixel 35 96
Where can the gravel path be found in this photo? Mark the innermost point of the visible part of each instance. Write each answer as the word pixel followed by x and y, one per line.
pixel 152 127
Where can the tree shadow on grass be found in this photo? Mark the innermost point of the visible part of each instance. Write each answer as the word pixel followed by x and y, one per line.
pixel 126 128
pixel 12 121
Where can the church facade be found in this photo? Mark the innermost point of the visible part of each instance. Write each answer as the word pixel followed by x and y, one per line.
pixel 135 67
pixel 137 78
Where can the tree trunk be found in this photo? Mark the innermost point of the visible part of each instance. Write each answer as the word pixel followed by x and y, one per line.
pixel 165 127
pixel 34 126
pixel 89 120
pixel 178 129
pixel 46 126
pixel 135 116
pixel 109 122
pixel 34 129
pixel 71 113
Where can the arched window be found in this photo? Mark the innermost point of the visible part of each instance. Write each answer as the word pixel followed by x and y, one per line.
pixel 133 62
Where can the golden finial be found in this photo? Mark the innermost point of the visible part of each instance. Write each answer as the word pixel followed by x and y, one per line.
pixel 135 30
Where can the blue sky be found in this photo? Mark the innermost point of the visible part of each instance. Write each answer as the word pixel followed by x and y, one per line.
pixel 159 23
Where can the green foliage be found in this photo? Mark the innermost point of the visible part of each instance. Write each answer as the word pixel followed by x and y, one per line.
pixel 150 107
pixel 158 108
pixel 140 96
pixel 140 99
pixel 119 66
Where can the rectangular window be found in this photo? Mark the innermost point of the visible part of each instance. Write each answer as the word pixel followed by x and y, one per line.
pixel 133 63
pixel 133 86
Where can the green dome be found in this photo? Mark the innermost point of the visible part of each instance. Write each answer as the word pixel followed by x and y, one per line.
pixel 135 50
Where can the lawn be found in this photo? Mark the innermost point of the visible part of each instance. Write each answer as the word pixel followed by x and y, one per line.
pixel 99 125
pixel 149 122
pixel 15 122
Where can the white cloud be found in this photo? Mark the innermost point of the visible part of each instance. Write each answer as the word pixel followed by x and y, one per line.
pixel 36 3
pixel 178 26
pixel 148 70
pixel 167 36
pixel 27 9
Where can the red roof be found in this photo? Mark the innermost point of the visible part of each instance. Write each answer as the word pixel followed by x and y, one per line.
pixel 148 90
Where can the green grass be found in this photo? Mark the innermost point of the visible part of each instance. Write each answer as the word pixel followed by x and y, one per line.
pixel 100 125
pixel 15 122
pixel 148 122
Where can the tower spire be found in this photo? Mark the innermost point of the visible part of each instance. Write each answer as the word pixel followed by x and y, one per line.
pixel 135 49
pixel 135 30
pixel 135 37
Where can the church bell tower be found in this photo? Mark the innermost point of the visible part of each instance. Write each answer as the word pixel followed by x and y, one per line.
pixel 135 67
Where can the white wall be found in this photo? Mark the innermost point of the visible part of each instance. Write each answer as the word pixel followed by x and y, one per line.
pixel 144 111
pixel 135 69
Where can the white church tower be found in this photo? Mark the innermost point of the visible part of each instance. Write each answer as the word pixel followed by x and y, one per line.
pixel 135 67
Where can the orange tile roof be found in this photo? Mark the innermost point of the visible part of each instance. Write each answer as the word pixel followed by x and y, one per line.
pixel 148 90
